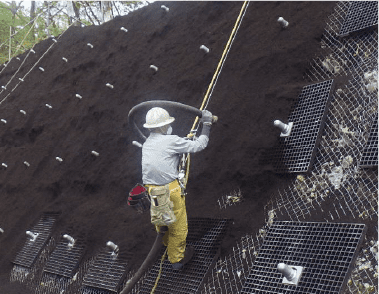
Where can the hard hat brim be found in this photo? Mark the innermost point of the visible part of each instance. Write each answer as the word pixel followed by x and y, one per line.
pixel 167 122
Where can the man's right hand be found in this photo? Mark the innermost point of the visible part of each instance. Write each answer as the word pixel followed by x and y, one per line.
pixel 206 117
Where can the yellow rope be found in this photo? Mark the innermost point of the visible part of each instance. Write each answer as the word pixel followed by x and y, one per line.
pixel 159 273
pixel 221 61
pixel 227 48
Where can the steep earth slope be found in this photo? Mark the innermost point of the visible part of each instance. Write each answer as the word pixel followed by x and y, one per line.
pixel 259 82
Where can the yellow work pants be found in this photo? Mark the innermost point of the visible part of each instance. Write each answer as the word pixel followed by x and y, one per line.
pixel 175 237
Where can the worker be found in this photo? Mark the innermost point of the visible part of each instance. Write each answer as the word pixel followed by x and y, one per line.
pixel 160 170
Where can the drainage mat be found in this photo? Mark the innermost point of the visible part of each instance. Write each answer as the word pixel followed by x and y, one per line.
pixel 205 235
pixel 370 153
pixel 65 258
pixel 32 249
pixel 361 15
pixel 106 273
pixel 324 250
pixel 296 152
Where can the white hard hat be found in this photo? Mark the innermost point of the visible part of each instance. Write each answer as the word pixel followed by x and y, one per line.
pixel 157 117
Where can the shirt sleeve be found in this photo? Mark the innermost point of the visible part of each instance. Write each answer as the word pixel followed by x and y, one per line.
pixel 181 145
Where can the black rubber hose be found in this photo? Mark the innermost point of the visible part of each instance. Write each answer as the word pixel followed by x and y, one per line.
pixel 158 103
pixel 146 264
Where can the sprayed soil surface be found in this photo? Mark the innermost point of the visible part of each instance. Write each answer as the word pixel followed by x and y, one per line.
pixel 260 81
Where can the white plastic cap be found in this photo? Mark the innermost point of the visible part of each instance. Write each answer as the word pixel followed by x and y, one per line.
pixel 138 144
pixel 70 239
pixel 287 271
pixel 283 22
pixel 203 47
pixel 165 8
pixel 113 246
pixel 154 67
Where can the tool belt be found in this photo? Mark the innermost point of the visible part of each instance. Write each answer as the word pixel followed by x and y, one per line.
pixel 139 199
pixel 161 209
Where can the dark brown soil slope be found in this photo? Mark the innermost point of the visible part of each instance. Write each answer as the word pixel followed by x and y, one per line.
pixel 259 82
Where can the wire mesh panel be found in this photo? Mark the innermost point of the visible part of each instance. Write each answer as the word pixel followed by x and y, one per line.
pixel 65 258
pixel 106 273
pixel 361 15
pixel 31 249
pixel 370 153
pixel 296 152
pixel 205 236
pixel 229 273
pixel 324 250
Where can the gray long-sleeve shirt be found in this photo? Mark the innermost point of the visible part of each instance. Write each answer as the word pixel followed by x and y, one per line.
pixel 160 156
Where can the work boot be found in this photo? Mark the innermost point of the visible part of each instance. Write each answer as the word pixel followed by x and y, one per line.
pixel 187 257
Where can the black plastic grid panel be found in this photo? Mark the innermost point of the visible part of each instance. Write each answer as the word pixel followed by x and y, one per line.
pixel 89 290
pixel 64 259
pixel 31 250
pixel 370 153
pixel 205 235
pixel 106 273
pixel 325 251
pixel 297 151
pixel 361 15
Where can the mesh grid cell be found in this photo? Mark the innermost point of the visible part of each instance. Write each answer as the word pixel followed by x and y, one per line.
pixel 32 249
pixel 65 259
pixel 325 251
pixel 106 273
pixel 361 15
pixel 205 236
pixel 89 290
pixel 370 152
pixel 296 152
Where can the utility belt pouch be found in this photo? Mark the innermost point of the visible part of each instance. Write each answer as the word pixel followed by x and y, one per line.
pixel 139 198
pixel 161 209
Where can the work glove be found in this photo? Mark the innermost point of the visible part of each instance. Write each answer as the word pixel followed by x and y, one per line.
pixel 206 117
